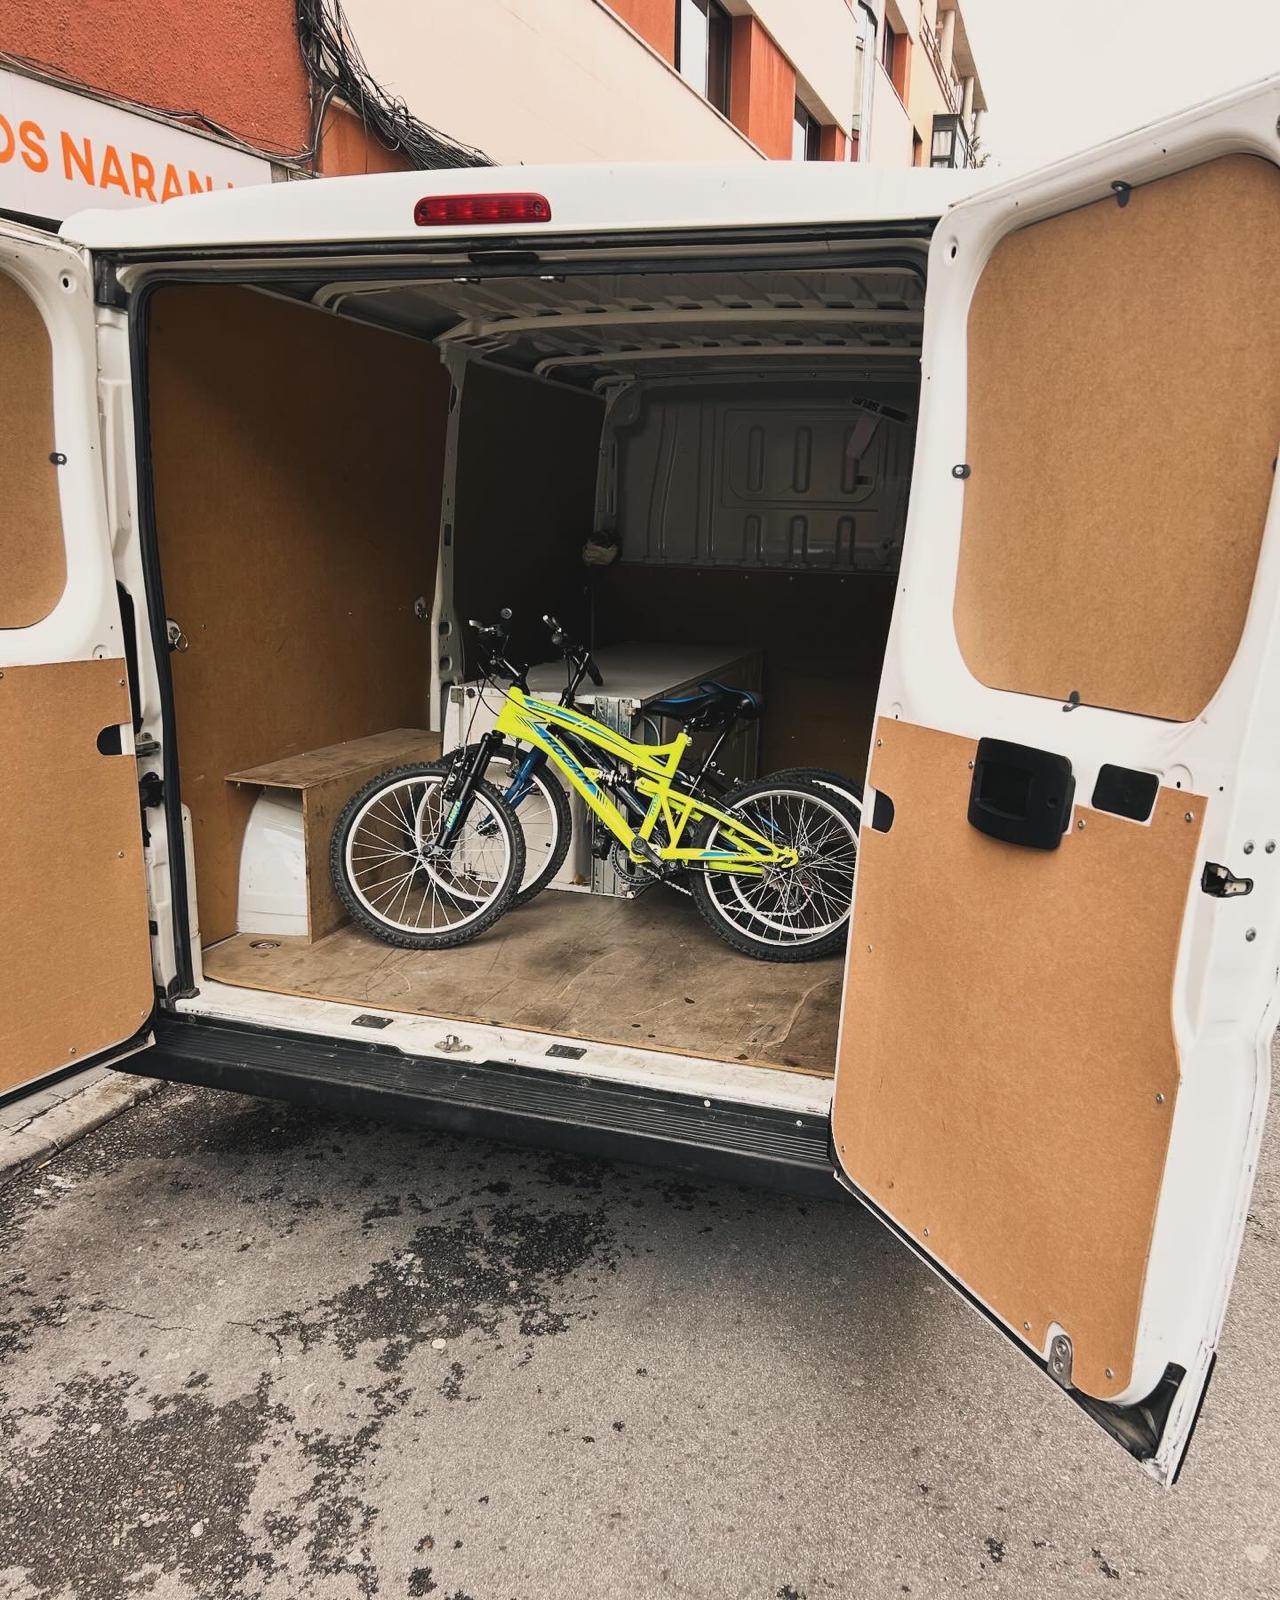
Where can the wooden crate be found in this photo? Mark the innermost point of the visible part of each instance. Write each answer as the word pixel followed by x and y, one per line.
pixel 326 779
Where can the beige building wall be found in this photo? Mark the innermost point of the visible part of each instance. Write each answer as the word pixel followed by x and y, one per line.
pixel 890 144
pixel 541 80
pixel 820 38
pixel 598 80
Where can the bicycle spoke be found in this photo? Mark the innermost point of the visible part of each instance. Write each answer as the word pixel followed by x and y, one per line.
pixel 799 904
pixel 409 887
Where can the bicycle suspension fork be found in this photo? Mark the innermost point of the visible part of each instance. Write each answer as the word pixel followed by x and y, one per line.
pixel 460 789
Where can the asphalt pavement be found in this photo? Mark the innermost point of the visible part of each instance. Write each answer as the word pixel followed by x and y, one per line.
pixel 249 1349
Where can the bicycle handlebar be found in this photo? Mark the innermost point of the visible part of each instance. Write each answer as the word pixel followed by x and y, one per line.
pixel 577 653
pixel 495 632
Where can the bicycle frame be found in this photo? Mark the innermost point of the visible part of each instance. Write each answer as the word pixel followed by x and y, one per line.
pixel 553 729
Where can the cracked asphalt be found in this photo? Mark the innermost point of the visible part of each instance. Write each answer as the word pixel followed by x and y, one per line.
pixel 255 1350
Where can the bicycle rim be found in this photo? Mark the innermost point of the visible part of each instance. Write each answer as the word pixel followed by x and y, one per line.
pixel 399 883
pixel 791 905
pixel 538 818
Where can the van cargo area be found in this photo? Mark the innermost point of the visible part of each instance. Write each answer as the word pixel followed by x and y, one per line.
pixel 344 473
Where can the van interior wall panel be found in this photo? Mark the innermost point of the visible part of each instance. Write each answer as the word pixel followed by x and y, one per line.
pixel 795 476
pixel 822 635
pixel 76 973
pixel 297 467
pixel 33 563
pixel 1123 411
pixel 525 492
pixel 1008 1071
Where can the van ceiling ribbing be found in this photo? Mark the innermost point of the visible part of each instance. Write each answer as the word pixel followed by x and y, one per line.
pixel 593 330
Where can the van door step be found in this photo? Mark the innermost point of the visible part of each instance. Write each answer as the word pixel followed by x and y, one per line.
pixel 523 1105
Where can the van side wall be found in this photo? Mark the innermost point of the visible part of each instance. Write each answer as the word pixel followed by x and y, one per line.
pixel 297 463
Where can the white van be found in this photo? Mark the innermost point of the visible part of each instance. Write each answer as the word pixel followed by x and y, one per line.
pixel 264 452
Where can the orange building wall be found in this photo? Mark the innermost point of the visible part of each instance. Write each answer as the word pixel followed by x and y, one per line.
pixel 346 150
pixel 235 61
pixel 762 89
pixel 653 20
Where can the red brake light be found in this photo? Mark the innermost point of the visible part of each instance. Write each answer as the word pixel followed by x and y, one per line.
pixel 445 210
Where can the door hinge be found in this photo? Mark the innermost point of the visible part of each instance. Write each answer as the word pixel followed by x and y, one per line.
pixel 1060 1360
pixel 151 789
pixel 1222 883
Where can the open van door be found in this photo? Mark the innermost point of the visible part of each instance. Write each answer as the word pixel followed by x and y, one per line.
pixel 75 960
pixel 1062 974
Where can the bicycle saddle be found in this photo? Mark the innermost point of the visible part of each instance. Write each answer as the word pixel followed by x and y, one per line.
pixel 710 705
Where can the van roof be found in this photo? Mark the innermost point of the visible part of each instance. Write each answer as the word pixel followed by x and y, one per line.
pixel 602 197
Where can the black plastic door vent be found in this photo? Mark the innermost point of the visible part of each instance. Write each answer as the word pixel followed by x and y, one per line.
pixel 1125 792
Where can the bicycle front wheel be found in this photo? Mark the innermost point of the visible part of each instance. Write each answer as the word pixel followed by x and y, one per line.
pixel 403 890
pixel 542 810
pixel 798 913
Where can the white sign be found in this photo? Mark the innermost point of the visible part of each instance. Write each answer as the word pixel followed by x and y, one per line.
pixel 62 152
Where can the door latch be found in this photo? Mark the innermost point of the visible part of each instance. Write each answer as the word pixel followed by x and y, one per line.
pixel 1222 883
pixel 1020 795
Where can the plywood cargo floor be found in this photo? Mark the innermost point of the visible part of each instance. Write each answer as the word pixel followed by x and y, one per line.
pixel 645 972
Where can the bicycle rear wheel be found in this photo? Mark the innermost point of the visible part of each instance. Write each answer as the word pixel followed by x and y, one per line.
pixel 798 913
pixel 848 788
pixel 400 888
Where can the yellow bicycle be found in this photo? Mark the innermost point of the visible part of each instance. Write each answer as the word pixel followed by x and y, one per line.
pixel 430 856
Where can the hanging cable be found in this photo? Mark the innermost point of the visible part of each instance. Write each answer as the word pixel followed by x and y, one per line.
pixel 339 76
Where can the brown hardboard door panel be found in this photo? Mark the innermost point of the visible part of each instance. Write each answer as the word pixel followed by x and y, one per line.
pixel 1123 411
pixel 33 565
pixel 1008 1070
pixel 75 957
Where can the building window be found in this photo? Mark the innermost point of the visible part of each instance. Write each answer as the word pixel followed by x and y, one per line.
pixel 949 145
pixel 895 53
pixel 806 136
pixel 702 49
pixel 888 49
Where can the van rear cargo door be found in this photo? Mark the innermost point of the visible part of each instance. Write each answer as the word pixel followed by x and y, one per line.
pixel 75 960
pixel 1061 983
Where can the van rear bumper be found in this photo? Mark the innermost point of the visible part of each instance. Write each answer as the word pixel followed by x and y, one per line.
pixel 724 1140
